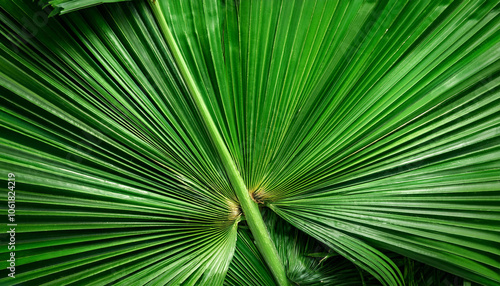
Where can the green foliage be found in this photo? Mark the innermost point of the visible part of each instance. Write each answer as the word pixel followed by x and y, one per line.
pixel 308 262
pixel 66 6
pixel 143 134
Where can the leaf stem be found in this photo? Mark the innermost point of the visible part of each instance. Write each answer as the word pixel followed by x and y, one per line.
pixel 249 207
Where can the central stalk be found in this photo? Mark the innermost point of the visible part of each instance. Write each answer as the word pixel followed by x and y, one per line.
pixel 249 207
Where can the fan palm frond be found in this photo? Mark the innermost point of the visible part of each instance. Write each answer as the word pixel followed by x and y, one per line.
pixel 146 137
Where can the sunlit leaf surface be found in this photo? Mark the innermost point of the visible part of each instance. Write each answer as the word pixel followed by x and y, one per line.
pixel 368 131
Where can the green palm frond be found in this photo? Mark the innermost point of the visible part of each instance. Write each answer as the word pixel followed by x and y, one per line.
pixel 66 6
pixel 123 189
pixel 252 142
pixel 248 266
pixel 308 262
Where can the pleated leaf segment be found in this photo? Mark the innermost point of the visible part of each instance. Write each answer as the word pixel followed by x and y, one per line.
pixel 211 142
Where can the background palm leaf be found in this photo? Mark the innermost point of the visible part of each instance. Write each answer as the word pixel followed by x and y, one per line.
pixel 366 126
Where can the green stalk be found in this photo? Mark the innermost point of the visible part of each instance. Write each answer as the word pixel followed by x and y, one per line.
pixel 249 207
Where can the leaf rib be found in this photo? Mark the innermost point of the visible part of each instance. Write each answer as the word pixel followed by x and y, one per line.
pixel 249 207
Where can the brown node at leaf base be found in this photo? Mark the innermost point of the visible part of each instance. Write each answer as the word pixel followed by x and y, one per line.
pixel 234 210
pixel 258 196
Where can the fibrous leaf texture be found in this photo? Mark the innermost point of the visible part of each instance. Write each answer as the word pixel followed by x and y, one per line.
pixel 365 135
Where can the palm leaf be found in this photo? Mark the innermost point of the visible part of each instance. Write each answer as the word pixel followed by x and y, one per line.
pixel 248 266
pixel 141 136
pixel 66 6
pixel 107 187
